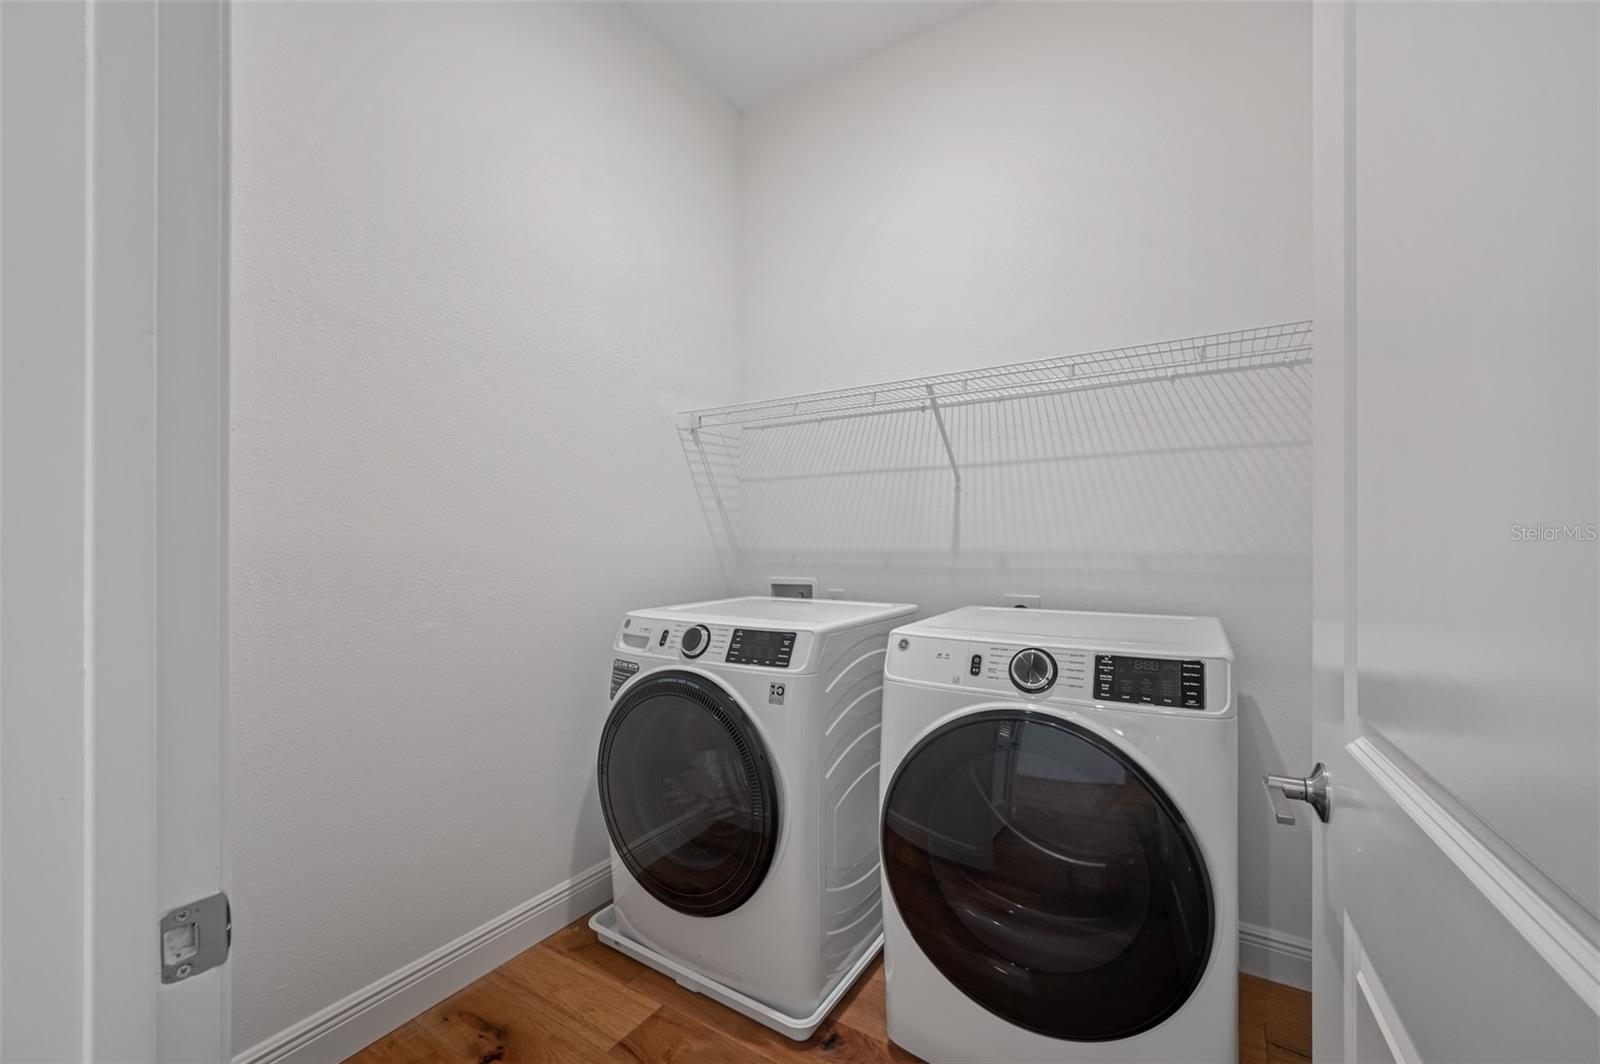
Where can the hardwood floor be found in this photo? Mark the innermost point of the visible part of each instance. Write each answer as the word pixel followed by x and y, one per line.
pixel 572 999
pixel 1274 1023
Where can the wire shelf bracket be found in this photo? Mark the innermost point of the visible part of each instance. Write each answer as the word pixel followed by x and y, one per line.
pixel 955 469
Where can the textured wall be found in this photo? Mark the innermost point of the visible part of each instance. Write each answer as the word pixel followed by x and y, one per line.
pixel 1033 180
pixel 481 254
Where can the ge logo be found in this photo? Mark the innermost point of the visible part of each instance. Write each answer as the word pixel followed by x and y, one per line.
pixel 775 694
pixel 905 644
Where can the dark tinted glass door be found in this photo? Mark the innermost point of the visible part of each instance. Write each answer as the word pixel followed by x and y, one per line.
pixel 688 793
pixel 1046 876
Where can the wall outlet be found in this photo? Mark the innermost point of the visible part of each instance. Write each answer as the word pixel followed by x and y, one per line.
pixel 1032 602
pixel 836 592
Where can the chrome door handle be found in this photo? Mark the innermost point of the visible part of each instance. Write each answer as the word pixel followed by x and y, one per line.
pixel 1313 790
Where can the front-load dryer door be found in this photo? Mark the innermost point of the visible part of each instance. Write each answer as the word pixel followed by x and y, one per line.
pixel 1047 876
pixel 688 793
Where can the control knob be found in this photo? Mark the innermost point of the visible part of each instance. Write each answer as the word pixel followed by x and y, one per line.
pixel 695 641
pixel 1033 670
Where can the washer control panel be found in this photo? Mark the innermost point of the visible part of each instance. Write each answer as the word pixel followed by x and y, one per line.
pixel 762 648
pixel 757 646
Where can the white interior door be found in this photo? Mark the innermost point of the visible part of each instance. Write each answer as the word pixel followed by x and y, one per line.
pixel 112 487
pixel 1457 471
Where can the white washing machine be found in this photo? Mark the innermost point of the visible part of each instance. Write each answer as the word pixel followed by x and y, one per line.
pixel 1060 844
pixel 738 776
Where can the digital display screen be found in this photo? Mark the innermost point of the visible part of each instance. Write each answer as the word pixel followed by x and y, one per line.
pixel 757 646
pixel 1150 681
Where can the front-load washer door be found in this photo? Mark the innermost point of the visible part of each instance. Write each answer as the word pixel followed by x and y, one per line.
pixel 1047 876
pixel 688 793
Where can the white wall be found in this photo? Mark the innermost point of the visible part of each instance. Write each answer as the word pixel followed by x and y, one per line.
pixel 481 254
pixel 1033 180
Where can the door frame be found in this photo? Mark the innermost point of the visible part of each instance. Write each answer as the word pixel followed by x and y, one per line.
pixel 1333 468
pixel 113 472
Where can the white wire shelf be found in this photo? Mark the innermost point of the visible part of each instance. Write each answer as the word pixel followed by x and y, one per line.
pixel 1191 448
pixel 1263 347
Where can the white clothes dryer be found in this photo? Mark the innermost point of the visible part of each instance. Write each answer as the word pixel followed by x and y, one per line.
pixel 1059 835
pixel 738 776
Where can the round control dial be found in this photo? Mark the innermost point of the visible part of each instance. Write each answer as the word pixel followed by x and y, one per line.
pixel 1033 670
pixel 695 641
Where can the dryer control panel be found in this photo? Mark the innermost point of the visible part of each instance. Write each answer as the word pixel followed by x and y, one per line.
pixel 1150 681
pixel 1044 672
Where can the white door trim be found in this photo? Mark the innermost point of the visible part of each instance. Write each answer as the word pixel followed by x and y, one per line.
pixel 44 332
pixel 112 466
pixel 191 455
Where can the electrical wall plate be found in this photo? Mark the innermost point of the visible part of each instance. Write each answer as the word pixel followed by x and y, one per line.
pixel 800 587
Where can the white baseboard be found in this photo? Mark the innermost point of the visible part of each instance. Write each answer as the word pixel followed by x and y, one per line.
pixel 1274 955
pixel 350 1025
pixel 372 1012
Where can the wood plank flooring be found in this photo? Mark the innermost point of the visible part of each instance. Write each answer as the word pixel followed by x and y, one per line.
pixel 572 999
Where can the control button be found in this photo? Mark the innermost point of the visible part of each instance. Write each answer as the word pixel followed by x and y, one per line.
pixel 695 641
pixel 977 665
pixel 665 632
pixel 1033 670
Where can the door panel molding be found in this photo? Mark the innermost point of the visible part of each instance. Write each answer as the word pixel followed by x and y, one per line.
pixel 1560 942
pixel 1364 988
